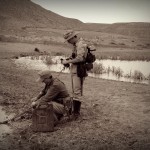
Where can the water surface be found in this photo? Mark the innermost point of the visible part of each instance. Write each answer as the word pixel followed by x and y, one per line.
pixel 128 69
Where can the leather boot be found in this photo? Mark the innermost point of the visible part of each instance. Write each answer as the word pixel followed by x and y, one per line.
pixel 76 108
pixel 59 116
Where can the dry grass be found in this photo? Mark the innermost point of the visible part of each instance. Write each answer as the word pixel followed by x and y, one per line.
pixel 122 54
pixel 115 115
pixel 64 49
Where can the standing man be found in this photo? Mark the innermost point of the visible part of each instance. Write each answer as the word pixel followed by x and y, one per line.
pixel 55 92
pixel 78 71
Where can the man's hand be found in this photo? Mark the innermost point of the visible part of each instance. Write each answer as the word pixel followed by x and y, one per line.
pixel 34 99
pixel 64 62
pixel 67 65
pixel 35 104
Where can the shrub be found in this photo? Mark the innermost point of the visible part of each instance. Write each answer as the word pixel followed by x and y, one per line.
pixel 98 69
pixel 48 60
pixel 118 72
pixel 138 75
pixel 108 70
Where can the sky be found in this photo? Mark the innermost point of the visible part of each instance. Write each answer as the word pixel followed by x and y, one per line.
pixel 100 11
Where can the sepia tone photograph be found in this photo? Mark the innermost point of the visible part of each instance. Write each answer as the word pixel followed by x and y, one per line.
pixel 74 75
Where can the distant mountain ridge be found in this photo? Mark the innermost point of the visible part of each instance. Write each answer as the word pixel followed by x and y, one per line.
pixel 138 29
pixel 24 13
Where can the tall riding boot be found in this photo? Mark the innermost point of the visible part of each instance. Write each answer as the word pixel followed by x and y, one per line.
pixel 76 108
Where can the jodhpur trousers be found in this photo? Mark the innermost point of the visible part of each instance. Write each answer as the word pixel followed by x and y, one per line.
pixel 62 108
pixel 58 108
pixel 77 86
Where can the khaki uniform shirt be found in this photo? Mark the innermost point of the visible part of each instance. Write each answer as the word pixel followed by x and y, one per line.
pixel 80 50
pixel 54 91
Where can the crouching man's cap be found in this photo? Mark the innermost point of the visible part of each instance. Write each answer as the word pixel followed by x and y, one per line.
pixel 69 35
pixel 44 75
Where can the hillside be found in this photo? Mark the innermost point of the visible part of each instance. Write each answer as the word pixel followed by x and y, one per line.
pixel 130 29
pixel 24 13
pixel 136 29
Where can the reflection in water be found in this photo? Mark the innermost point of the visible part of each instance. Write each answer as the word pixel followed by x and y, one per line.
pixel 111 76
pixel 40 63
pixel 128 71
pixel 127 67
pixel 4 128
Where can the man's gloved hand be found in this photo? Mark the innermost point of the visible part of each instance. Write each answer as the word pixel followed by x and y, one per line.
pixel 35 104
pixel 65 63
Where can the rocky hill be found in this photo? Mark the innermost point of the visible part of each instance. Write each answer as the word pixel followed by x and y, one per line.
pixel 21 14
pixel 24 13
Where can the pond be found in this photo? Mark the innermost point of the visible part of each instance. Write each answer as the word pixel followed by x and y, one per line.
pixel 128 71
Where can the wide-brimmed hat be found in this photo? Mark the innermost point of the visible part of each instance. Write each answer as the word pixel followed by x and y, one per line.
pixel 69 35
pixel 44 75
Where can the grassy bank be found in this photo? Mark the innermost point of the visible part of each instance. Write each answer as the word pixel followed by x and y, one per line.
pixel 104 51
pixel 123 53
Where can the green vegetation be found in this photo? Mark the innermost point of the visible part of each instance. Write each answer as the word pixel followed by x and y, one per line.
pixel 100 69
pixel 138 75
pixel 48 60
pixel 97 68
pixel 117 71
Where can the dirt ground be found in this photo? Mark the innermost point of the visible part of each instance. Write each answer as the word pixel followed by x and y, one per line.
pixel 114 115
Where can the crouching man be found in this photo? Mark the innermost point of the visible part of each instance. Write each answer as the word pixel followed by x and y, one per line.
pixel 55 92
